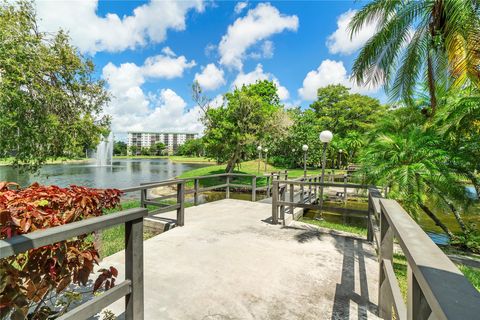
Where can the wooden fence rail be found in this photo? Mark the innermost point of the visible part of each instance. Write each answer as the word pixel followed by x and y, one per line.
pixel 436 288
pixel 131 288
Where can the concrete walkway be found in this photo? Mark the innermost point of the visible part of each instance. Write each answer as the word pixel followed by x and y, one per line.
pixel 228 263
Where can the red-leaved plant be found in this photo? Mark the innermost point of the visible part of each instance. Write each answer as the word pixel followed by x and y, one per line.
pixel 30 279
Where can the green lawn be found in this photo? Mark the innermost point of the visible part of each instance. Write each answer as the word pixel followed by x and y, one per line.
pixel 248 167
pixel 336 226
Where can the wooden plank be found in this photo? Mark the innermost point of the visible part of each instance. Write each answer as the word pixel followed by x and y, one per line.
pixel 96 304
pixel 164 209
pixel 245 186
pixel 398 304
pixel 449 294
pixel 220 186
pixel 275 203
pixel 181 204
pixel 134 269
pixel 151 185
pixel 167 196
pixel 48 236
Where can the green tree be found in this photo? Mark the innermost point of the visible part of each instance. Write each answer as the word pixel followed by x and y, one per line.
pixel 157 149
pixel 193 147
pixel 50 101
pixel 250 115
pixel 120 148
pixel 425 42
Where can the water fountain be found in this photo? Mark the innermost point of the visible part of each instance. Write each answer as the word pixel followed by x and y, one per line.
pixel 104 154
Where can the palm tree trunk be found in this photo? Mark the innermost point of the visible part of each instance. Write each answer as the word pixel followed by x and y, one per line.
pixel 437 221
pixel 459 219
pixel 431 85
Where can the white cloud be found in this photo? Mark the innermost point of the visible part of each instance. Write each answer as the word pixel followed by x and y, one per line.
pixel 260 23
pixel 211 77
pixel 240 6
pixel 259 74
pixel 133 109
pixel 92 33
pixel 161 66
pixel 329 72
pixel 340 41
pixel 218 101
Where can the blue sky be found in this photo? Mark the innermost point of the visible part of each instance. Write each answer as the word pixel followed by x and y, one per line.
pixel 149 53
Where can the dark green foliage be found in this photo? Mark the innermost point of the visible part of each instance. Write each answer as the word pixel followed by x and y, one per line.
pixel 120 148
pixel 50 103
pixel 252 114
pixel 193 147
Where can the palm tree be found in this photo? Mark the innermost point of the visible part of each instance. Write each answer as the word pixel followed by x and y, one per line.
pixel 419 41
pixel 413 167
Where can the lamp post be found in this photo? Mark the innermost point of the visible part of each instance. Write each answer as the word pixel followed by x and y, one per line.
pixel 266 158
pixel 325 137
pixel 340 160
pixel 259 149
pixel 305 149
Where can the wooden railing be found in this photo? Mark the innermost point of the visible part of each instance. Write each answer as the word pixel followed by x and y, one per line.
pixel 131 288
pixel 309 191
pixel 436 288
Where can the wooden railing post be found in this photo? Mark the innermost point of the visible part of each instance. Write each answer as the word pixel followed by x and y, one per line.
pixel 302 191
pixel 134 269
pixel 254 188
pixel 227 191
pixel 181 203
pixel 195 194
pixel 286 175
pixel 417 305
pixel 385 253
pixel 345 180
pixel 143 198
pixel 274 202
pixel 369 220
pixel 268 186
pixel 282 207
pixel 310 190
pixel 292 198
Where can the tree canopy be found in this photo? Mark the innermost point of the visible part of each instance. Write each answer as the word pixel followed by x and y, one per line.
pixel 50 101
pixel 251 114
pixel 426 44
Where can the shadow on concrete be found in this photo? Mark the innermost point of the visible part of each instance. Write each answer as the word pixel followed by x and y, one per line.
pixel 345 292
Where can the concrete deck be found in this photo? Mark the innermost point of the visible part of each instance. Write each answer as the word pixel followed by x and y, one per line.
pixel 228 263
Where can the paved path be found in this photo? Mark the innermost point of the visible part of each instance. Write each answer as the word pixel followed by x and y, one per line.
pixel 227 263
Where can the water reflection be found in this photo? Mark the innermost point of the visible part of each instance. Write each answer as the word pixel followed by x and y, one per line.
pixel 122 173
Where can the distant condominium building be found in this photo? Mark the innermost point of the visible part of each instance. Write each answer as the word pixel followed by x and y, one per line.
pixel 172 140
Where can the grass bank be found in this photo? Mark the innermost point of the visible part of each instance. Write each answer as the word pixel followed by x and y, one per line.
pixel 9 161
pixel 247 167
pixel 183 159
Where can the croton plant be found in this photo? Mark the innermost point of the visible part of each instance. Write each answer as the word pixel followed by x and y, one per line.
pixel 31 280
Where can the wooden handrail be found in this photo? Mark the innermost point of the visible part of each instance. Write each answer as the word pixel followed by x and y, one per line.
pixel 436 288
pixel 131 288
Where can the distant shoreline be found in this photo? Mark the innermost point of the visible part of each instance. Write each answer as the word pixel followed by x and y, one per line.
pixel 180 159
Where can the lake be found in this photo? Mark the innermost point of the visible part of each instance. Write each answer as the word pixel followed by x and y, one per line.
pixel 122 174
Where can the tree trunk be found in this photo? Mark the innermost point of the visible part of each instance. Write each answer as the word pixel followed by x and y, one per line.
pixel 459 219
pixel 232 161
pixel 437 221
pixel 431 85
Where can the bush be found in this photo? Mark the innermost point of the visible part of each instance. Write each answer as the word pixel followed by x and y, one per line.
pixel 30 279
